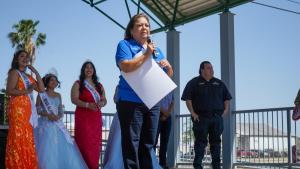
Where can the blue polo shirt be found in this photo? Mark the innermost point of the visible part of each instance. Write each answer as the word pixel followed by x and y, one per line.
pixel 166 101
pixel 127 49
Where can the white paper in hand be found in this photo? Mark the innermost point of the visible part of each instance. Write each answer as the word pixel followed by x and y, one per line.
pixel 150 82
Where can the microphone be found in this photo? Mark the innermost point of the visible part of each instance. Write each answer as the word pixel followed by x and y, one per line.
pixel 149 40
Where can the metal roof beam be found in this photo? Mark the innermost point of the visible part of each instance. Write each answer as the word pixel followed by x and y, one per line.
pixel 105 14
pixel 210 11
pixel 138 7
pixel 161 11
pixel 168 16
pixel 99 2
pixel 160 29
pixel 156 13
pixel 147 14
pixel 164 6
pixel 174 15
pixel 222 1
pixel 225 4
pixel 168 2
pixel 128 9
pixel 198 5
pixel 86 2
pixel 199 15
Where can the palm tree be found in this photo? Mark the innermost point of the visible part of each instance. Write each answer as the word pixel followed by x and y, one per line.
pixel 23 37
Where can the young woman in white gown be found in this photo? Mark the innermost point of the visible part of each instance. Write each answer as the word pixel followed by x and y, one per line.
pixel 55 147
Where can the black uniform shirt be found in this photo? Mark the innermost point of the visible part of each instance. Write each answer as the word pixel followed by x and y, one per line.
pixel 207 96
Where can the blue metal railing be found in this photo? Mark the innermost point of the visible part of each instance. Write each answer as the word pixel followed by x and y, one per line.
pixel 185 153
pixel 264 137
pixel 69 121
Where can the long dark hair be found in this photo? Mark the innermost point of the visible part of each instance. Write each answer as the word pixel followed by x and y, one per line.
pixel 47 77
pixel 94 78
pixel 14 63
pixel 131 24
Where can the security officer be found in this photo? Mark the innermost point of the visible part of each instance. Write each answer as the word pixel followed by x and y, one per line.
pixel 207 99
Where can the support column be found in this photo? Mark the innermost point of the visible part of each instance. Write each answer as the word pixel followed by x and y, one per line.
pixel 174 59
pixel 228 77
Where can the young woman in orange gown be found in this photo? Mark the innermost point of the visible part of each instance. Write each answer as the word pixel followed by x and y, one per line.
pixel 20 148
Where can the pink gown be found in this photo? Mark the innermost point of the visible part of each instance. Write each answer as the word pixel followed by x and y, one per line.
pixel 88 131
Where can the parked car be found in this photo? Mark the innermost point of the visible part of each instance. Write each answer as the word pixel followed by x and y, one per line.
pixel 260 153
pixel 246 153
pixel 273 153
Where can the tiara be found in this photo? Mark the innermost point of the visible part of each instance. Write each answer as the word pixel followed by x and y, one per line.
pixel 52 71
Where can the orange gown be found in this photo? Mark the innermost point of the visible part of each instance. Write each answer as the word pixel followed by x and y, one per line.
pixel 20 147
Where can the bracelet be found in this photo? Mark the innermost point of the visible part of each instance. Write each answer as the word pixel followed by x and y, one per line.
pixel 86 105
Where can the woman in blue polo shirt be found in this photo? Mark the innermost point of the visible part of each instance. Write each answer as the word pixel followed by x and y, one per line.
pixel 138 123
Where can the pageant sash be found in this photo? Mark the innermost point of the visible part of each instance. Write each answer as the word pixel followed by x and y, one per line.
pixel 52 110
pixel 34 117
pixel 93 91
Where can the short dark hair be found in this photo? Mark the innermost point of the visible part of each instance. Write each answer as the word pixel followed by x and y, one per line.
pixel 47 77
pixel 131 24
pixel 202 66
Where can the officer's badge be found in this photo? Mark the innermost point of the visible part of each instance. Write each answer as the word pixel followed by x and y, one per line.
pixel 216 83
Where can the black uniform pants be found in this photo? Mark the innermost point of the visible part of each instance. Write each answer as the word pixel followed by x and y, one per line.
pixel 211 127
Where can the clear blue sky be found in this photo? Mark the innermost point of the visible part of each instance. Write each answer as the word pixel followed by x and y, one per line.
pixel 266 40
